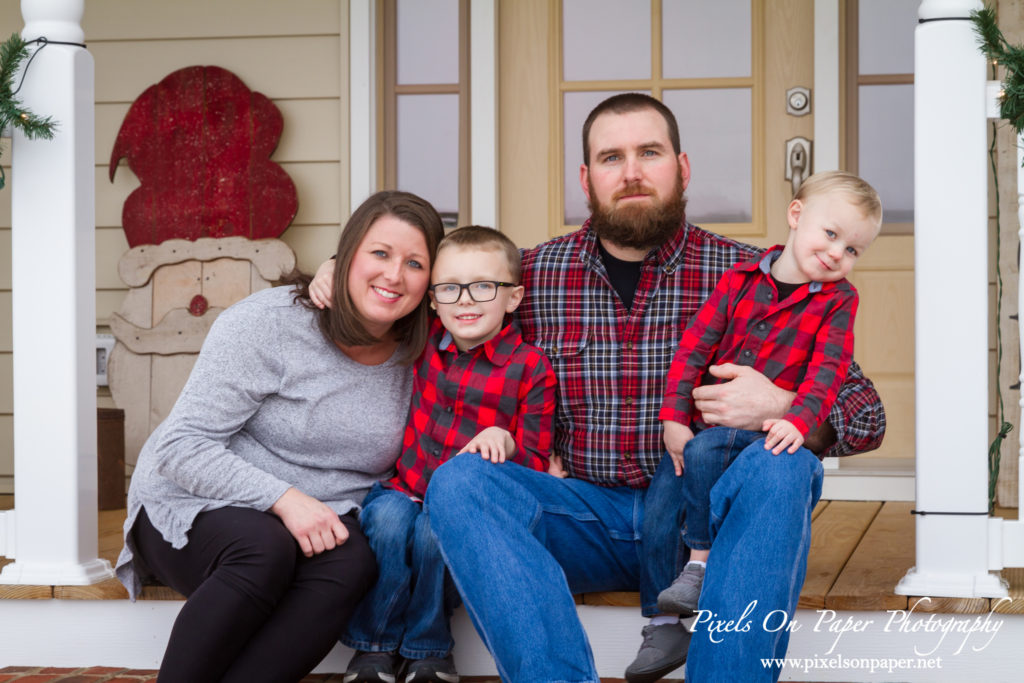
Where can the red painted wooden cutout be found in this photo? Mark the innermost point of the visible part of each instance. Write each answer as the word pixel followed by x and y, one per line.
pixel 200 143
pixel 198 305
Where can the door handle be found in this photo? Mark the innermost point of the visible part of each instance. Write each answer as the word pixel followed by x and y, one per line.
pixel 798 161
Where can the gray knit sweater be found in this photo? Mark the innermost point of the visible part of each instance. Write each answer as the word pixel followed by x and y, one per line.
pixel 270 404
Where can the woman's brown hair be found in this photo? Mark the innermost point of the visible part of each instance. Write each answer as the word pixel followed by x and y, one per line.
pixel 341 323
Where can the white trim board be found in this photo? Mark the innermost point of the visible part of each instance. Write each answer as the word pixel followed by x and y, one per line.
pixel 119 633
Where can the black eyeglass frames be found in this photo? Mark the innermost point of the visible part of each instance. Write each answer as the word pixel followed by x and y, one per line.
pixel 480 291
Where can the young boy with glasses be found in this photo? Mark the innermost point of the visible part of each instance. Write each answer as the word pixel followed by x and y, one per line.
pixel 477 388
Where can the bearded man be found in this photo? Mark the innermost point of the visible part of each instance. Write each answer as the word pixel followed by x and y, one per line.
pixel 608 304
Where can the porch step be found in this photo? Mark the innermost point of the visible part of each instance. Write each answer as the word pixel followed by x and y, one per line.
pixel 859 551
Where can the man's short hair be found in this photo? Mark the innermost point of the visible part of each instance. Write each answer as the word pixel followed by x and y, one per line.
pixel 625 103
pixel 860 192
pixel 479 237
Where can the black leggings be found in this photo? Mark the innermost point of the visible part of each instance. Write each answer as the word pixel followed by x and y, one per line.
pixel 257 609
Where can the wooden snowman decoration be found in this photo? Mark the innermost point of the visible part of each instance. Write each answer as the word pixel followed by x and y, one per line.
pixel 202 228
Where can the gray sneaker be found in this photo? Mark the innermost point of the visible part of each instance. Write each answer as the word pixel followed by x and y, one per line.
pixel 663 651
pixel 681 597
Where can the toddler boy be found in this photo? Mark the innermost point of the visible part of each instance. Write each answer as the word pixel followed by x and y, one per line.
pixel 477 388
pixel 789 313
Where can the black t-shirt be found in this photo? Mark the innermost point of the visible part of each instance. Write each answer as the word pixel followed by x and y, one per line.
pixel 785 288
pixel 624 275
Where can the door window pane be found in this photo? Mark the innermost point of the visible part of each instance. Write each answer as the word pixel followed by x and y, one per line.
pixel 886 147
pixel 886 36
pixel 715 133
pixel 706 38
pixel 427 41
pixel 428 148
pixel 606 39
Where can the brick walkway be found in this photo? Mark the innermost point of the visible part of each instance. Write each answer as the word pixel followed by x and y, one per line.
pixel 106 674
pixel 113 674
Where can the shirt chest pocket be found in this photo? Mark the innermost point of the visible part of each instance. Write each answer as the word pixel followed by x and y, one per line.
pixel 568 352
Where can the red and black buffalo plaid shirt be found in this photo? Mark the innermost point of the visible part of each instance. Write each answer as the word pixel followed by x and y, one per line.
pixel 802 344
pixel 503 382
pixel 611 363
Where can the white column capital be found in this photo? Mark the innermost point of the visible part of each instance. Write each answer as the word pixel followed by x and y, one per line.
pixel 55 19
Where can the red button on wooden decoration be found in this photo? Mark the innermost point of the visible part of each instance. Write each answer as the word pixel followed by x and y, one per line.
pixel 198 305
pixel 200 143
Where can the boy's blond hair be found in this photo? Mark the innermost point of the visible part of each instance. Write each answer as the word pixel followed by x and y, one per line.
pixel 861 193
pixel 478 236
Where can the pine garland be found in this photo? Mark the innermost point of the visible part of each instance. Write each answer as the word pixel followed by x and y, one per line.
pixel 13 52
pixel 1011 107
pixel 998 51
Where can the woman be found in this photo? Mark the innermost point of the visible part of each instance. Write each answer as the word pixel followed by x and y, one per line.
pixel 245 499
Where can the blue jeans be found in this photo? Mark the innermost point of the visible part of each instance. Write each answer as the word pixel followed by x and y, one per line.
pixel 519 543
pixel 761 530
pixel 706 457
pixel 410 606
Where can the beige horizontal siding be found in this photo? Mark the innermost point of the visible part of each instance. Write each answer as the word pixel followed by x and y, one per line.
pixel 294 53
pixel 116 19
pixel 280 68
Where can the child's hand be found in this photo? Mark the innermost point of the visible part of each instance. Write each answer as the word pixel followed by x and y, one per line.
pixel 322 284
pixel 555 467
pixel 676 436
pixel 494 444
pixel 781 433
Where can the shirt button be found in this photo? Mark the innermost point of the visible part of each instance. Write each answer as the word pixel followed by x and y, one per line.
pixel 627 456
pixel 761 327
pixel 437 451
pixel 629 400
pixel 747 353
pixel 629 346
pixel 554 350
pixel 448 409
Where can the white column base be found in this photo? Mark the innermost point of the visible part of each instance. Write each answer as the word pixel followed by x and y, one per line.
pixel 56 574
pixel 941 584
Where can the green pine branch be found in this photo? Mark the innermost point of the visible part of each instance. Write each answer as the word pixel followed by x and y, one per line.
pixel 998 51
pixel 13 52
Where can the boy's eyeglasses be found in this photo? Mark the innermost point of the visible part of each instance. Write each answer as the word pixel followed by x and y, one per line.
pixel 479 291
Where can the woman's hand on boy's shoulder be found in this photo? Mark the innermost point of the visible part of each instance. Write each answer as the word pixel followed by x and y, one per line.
pixel 323 282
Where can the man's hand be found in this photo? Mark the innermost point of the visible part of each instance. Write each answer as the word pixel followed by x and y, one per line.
pixel 322 284
pixel 781 433
pixel 314 525
pixel 676 437
pixel 555 467
pixel 494 444
pixel 744 402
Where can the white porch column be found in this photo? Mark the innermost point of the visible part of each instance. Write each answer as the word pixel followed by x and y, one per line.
pixel 951 286
pixel 54 311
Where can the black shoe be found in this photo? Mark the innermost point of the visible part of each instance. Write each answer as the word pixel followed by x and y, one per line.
pixel 663 651
pixel 434 669
pixel 373 667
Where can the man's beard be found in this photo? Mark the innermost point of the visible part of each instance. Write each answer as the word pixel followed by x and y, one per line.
pixel 640 226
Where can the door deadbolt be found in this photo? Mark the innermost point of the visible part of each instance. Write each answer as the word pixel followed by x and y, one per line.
pixel 798 101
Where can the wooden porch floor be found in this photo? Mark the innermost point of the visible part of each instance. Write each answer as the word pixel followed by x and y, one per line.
pixel 859 550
